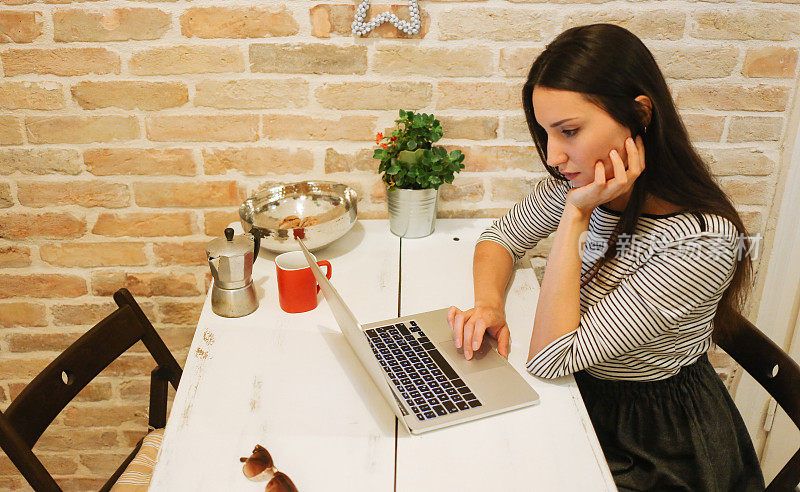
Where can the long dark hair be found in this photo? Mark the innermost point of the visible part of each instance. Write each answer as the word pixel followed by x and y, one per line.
pixel 609 66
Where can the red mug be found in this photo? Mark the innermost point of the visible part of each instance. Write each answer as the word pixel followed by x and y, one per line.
pixel 297 287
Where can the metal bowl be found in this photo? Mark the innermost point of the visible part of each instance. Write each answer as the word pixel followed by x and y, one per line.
pixel 333 204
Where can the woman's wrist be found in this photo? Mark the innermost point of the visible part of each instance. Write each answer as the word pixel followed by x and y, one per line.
pixel 491 303
pixel 573 213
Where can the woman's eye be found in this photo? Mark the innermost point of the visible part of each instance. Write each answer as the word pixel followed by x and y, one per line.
pixel 570 133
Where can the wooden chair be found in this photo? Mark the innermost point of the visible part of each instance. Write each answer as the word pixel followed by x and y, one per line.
pixel 27 417
pixel 777 373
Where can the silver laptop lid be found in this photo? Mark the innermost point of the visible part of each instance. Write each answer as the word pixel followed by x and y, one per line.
pixel 355 336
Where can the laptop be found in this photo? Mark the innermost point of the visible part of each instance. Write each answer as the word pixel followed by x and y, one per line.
pixel 423 377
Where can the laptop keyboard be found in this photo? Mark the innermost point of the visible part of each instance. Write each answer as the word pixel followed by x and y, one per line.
pixel 422 376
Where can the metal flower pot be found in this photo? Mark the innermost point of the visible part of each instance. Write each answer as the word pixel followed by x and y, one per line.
pixel 412 213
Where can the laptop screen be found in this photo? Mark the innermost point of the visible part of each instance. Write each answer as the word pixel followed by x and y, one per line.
pixel 352 332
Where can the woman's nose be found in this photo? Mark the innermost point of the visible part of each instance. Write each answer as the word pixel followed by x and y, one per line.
pixel 555 155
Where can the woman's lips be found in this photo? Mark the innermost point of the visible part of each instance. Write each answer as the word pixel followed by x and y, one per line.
pixel 570 176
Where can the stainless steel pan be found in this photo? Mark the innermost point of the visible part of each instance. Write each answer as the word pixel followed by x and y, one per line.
pixel 333 204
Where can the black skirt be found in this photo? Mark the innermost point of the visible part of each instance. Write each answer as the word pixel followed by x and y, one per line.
pixel 679 433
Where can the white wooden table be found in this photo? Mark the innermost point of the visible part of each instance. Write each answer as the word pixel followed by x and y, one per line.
pixel 291 383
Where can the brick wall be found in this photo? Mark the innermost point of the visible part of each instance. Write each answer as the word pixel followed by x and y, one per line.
pixel 131 130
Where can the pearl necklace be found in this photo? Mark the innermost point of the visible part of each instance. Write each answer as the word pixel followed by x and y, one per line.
pixel 362 28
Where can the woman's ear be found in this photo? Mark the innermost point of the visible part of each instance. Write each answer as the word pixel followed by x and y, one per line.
pixel 646 108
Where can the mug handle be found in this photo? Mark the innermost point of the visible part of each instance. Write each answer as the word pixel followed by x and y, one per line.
pixel 327 264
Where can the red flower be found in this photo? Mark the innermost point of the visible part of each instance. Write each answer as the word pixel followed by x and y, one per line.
pixel 393 139
pixel 378 138
pixel 384 146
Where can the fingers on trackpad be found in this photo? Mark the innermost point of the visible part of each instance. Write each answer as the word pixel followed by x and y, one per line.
pixel 485 358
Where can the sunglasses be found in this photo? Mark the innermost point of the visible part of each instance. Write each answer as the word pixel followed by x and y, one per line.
pixel 259 467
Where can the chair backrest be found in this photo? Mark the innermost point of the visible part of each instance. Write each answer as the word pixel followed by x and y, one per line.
pixel 34 409
pixel 776 372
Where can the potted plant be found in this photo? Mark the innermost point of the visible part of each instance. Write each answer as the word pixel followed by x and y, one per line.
pixel 413 169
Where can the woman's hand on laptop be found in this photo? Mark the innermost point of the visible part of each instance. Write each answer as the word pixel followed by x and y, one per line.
pixel 469 327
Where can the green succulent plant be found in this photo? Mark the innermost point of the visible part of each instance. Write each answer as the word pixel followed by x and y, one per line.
pixel 409 160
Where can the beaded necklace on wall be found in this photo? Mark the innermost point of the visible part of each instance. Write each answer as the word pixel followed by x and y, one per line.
pixel 361 28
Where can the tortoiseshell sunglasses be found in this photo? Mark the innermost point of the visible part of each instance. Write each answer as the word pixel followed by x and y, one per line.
pixel 259 467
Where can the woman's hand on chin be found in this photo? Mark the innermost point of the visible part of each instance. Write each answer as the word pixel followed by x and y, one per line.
pixel 586 198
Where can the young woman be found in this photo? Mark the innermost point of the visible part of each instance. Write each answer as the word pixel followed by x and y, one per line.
pixel 632 317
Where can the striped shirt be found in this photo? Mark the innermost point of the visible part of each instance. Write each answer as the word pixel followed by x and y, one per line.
pixel 648 311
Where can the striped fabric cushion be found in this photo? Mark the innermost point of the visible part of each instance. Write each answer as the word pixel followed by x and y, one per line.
pixel 136 476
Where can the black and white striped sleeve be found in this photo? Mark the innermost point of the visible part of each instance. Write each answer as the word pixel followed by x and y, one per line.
pixel 678 278
pixel 531 220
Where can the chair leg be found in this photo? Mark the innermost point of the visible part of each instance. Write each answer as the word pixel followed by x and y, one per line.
pixel 158 398
pixel 788 478
pixel 23 458
pixel 113 480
